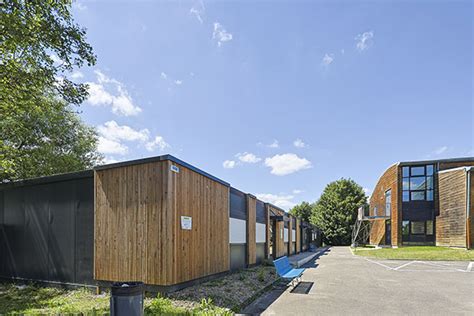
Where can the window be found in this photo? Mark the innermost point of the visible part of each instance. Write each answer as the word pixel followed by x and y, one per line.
pixel 417 228
pixel 429 227
pixel 417 183
pixel 405 228
pixel 388 202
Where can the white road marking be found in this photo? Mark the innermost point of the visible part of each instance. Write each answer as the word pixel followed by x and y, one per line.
pixel 469 267
pixel 404 265
pixel 380 264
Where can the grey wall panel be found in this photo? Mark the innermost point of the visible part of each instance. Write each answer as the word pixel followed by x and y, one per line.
pixel 14 232
pixel 2 238
pixel 35 243
pixel 85 231
pixel 238 207
pixel 61 241
pixel 48 231
pixel 237 256
pixel 260 252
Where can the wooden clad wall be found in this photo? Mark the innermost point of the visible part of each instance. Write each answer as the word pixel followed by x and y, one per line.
pixel 298 235
pixel 251 229
pixel 451 221
pixel 290 235
pixel 138 234
pixel 279 234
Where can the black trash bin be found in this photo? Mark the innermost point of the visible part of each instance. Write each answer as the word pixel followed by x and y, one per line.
pixel 126 299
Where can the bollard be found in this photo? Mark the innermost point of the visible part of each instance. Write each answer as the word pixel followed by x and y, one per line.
pixel 126 299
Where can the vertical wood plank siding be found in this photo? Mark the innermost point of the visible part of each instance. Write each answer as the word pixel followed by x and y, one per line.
pixel 451 222
pixel 290 235
pixel 298 235
pixel 279 235
pixel 138 233
pixel 251 229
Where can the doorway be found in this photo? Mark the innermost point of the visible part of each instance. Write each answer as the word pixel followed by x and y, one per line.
pixel 388 233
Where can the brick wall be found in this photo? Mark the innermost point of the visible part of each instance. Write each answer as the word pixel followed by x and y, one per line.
pixel 388 181
pixel 451 221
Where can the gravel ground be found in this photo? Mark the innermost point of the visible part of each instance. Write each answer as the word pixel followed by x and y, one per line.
pixel 229 291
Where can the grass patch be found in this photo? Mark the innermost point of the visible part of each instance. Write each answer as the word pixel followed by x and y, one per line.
pixel 418 253
pixel 32 300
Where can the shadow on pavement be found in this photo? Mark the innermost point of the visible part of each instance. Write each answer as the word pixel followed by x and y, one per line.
pixel 263 302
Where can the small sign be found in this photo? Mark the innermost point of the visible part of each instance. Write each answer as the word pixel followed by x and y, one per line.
pixel 186 222
pixel 174 168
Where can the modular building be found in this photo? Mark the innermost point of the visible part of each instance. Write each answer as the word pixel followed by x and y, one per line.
pixel 424 203
pixel 157 220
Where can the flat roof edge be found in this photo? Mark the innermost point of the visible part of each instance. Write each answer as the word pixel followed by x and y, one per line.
pixel 157 159
pixel 461 159
pixel 48 179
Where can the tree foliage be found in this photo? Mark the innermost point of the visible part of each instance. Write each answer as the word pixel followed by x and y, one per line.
pixel 302 211
pixel 40 130
pixel 336 210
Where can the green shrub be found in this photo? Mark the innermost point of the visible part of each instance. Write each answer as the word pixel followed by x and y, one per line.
pixel 163 306
pixel 261 275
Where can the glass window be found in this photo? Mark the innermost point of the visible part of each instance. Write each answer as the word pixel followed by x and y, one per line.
pixel 429 227
pixel 417 171
pixel 429 195
pixel 406 184
pixel 417 228
pixel 405 228
pixel 406 171
pixel 417 183
pixel 417 195
pixel 429 170
pixel 429 183
pixel 406 196
pixel 388 202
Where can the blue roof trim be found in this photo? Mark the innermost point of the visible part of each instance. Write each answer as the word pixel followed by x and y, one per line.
pixel 161 158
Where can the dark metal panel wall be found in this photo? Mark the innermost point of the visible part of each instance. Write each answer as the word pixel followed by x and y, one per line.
pixel 238 207
pixel 260 212
pixel 2 237
pixel 48 231
pixel 84 231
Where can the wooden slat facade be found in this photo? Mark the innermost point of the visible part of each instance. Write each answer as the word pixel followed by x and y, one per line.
pixel 290 235
pixel 138 235
pixel 298 235
pixel 251 229
pixel 279 232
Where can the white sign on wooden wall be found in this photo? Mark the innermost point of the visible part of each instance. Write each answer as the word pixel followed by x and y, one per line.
pixel 186 222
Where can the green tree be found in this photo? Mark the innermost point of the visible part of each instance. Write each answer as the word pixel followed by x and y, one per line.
pixel 40 130
pixel 336 210
pixel 302 211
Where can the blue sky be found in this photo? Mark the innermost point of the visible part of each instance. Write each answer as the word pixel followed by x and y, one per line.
pixel 280 98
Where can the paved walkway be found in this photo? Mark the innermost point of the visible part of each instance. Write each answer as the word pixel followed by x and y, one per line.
pixel 344 284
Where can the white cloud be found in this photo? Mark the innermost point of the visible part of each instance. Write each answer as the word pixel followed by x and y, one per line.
pixel 77 75
pixel 283 201
pixel 79 6
pixel 178 82
pixel 440 150
pixel 108 146
pixel 367 191
pixel 163 75
pixel 248 157
pixel 296 191
pixel 299 143
pixel 108 160
pixel 120 101
pixel 228 164
pixel 111 130
pixel 158 142
pixel 286 164
pixel 198 11
pixel 220 34
pixel 327 59
pixel 112 136
pixel 275 144
pixel 364 40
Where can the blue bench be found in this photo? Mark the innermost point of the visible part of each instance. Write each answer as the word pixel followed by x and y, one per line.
pixel 286 271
